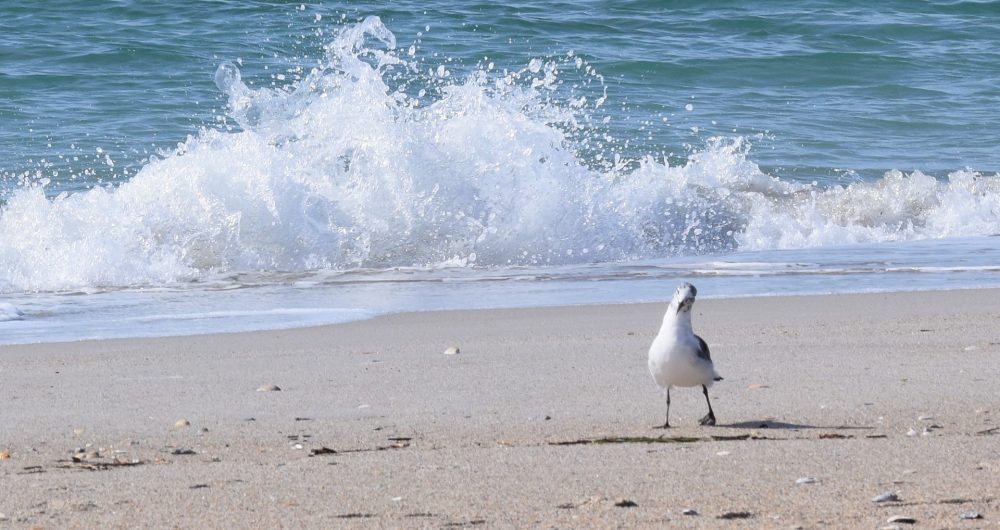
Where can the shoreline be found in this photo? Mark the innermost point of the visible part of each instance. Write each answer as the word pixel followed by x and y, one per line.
pixel 542 419
pixel 374 314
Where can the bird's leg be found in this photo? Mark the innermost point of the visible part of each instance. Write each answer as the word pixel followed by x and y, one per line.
pixel 709 418
pixel 666 424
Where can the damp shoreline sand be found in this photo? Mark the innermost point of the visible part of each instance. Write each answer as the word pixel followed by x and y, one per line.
pixel 544 419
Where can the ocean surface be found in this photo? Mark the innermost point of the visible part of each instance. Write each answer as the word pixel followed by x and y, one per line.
pixel 195 166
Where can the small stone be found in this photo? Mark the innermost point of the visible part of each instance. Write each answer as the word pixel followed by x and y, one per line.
pixel 971 515
pixel 805 480
pixel 625 503
pixel 182 423
pixel 888 496
pixel 911 432
pixel 4 455
pixel 901 519
pixel 925 418
pixel 452 350
pixel 689 511
pixel 269 388
pixel 297 446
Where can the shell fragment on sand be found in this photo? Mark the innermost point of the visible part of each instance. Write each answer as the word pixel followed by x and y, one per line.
pixel 269 388
pixel 452 350
pixel 182 423
pixel 887 496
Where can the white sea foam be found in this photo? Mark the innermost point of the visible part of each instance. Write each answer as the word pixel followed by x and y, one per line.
pixel 10 312
pixel 352 168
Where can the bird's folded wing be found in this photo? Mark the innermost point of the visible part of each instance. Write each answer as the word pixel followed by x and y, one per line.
pixel 703 349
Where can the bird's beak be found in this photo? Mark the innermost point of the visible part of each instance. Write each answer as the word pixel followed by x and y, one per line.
pixel 685 304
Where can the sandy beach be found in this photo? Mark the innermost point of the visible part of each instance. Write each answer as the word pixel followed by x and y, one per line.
pixel 543 420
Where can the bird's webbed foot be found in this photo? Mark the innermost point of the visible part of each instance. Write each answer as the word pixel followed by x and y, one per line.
pixel 709 419
pixel 666 425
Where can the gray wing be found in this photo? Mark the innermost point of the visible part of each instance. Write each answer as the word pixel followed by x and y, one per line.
pixel 703 349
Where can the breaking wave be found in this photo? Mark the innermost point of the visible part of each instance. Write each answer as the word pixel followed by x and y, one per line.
pixel 371 160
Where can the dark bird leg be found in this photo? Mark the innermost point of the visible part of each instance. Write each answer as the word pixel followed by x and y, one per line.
pixel 709 418
pixel 666 424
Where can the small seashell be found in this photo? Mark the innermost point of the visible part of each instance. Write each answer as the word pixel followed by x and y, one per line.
pixel 911 432
pixel 452 350
pixel 805 480
pixel 182 423
pixel 269 388
pixel 888 496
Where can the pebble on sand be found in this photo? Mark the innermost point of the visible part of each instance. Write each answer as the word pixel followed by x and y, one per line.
pixel 805 480
pixel 970 515
pixel 182 423
pixel 269 388
pixel 689 511
pixel 888 496
pixel 452 350
pixel 902 519
pixel 4 455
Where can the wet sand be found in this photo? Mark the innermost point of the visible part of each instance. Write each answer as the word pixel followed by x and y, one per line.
pixel 544 419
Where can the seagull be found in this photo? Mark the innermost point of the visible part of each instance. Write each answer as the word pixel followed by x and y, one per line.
pixel 678 357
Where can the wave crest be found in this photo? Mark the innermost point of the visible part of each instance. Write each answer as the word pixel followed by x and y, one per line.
pixel 369 161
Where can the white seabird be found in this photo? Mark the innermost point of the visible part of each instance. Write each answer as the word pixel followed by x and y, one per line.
pixel 678 357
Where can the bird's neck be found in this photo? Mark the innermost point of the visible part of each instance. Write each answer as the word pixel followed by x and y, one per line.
pixel 676 322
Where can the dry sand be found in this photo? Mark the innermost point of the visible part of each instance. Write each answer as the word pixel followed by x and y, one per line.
pixel 509 432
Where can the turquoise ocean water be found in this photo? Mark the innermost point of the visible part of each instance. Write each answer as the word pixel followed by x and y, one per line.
pixel 183 167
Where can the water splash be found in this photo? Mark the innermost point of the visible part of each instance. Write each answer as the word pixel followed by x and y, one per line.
pixel 372 160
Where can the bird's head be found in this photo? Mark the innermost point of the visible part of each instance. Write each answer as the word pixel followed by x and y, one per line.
pixel 684 297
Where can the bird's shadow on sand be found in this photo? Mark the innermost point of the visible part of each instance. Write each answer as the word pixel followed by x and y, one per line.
pixel 769 424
